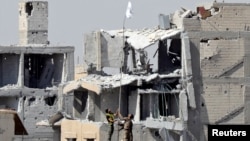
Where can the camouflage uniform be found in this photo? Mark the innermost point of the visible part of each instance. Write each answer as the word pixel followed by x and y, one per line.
pixel 111 125
pixel 128 126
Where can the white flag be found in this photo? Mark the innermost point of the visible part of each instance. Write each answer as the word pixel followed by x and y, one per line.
pixel 129 10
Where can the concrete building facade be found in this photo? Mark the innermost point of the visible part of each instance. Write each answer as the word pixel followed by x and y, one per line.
pixel 32 71
pixel 177 78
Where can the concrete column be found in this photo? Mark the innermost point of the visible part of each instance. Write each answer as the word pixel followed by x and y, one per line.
pixel 21 71
pixel 186 56
pixel 151 106
pixel 64 71
pixel 183 106
pixel 99 55
pixel 183 136
pixel 60 97
pixel 70 66
pixel 138 108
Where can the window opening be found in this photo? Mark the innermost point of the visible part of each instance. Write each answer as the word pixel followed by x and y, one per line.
pixel 28 8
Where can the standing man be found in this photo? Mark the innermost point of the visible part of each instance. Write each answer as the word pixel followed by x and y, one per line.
pixel 127 126
pixel 110 116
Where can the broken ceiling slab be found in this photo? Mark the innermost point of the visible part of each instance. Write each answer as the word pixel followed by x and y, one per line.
pixel 140 39
pixel 98 83
pixel 15 90
pixel 38 49
pixel 152 91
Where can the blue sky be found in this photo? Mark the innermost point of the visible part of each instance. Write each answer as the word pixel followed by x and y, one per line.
pixel 70 19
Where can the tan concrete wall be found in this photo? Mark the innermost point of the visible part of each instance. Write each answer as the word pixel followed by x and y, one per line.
pixel 220 100
pixel 80 72
pixel 219 59
pixel 218 56
pixel 79 130
pixel 229 18
pixel 7 126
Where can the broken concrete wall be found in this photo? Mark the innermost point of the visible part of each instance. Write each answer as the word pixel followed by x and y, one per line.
pixel 230 94
pixel 231 17
pixel 247 104
pixel 103 50
pixel 191 24
pixel 222 58
pixel 112 49
pixel 34 105
pixel 194 114
pixel 34 109
pixel 219 65
pixel 33 22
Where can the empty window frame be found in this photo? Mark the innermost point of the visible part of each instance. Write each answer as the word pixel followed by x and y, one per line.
pixel 169 55
pixel 42 70
pixel 9 67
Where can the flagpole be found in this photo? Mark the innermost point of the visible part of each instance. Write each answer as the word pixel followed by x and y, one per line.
pixel 122 61
pixel 127 15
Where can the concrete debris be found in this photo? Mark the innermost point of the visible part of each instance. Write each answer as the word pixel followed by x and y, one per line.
pixel 43 123
pixel 97 83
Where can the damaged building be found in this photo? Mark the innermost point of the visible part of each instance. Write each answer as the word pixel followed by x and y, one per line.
pixel 31 73
pixel 189 71
pixel 171 77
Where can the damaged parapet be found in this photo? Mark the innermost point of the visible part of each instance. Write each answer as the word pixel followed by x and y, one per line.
pixel 33 22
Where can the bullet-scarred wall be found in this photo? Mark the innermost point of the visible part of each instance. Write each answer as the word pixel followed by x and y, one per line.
pixel 33 22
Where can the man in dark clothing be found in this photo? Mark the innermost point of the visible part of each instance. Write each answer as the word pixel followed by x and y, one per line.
pixel 110 116
pixel 127 126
